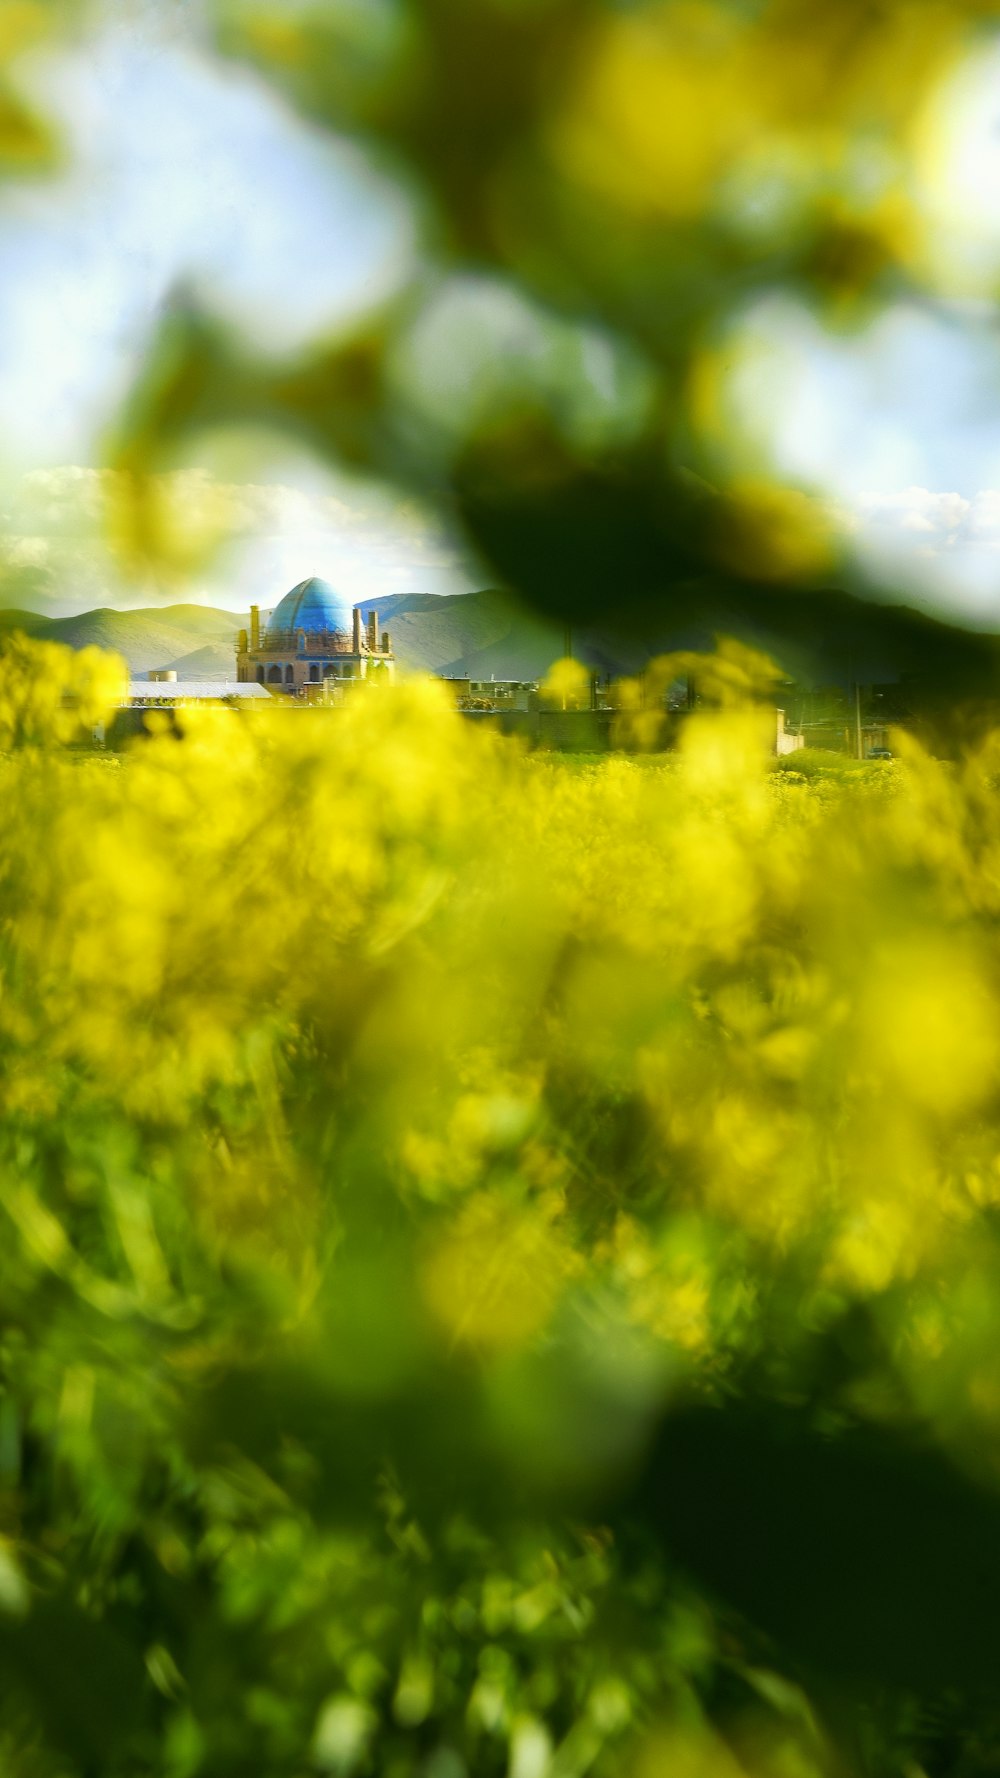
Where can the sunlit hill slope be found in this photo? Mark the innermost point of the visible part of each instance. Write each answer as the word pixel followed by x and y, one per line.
pixel 482 634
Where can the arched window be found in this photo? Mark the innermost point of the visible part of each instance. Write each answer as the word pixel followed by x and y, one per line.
pixel 314 672
pixel 289 674
pixel 274 675
pixel 260 675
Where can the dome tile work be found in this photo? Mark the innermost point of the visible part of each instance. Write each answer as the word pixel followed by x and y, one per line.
pixel 314 606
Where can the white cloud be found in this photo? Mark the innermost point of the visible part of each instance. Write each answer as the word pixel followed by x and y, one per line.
pixel 984 518
pixel 55 552
pixel 26 552
pixel 932 548
pixel 916 509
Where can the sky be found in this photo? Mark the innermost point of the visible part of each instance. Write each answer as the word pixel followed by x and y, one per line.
pixel 287 233
pixel 896 420
pixel 899 424
pixel 300 520
pixel 280 230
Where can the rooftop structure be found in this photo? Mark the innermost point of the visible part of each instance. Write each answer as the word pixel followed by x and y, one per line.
pixel 191 691
pixel 491 694
pixel 313 635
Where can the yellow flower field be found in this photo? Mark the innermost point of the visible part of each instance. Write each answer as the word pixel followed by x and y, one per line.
pixel 401 1135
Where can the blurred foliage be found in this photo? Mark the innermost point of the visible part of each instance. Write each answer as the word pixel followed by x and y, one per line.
pixel 601 190
pixel 499 1268
pixel 28 141
pixel 50 695
pixel 499 1265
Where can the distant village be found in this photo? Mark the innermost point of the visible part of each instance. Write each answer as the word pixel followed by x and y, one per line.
pixel 315 649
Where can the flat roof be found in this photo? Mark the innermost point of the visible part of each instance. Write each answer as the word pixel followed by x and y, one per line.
pixel 188 690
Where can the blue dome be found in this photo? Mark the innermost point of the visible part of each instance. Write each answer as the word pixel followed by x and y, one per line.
pixel 312 605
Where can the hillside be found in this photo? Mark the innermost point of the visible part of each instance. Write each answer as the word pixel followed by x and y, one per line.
pixel 483 635
pixel 16 619
pixel 474 633
pixel 167 636
pixel 478 633
pixel 488 634
pixel 214 660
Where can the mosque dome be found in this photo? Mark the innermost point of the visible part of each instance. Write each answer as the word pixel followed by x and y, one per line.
pixel 313 605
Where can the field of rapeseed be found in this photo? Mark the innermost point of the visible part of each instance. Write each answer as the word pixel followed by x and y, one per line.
pixel 498 1260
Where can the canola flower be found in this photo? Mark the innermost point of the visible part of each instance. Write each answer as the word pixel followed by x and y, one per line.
pixel 397 1130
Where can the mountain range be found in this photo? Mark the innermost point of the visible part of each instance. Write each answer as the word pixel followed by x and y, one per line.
pixel 835 639
pixel 481 634
pixel 196 640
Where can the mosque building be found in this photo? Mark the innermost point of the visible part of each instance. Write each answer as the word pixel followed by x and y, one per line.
pixel 311 636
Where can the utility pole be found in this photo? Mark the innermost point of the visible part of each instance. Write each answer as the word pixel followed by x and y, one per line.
pixel 852 680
